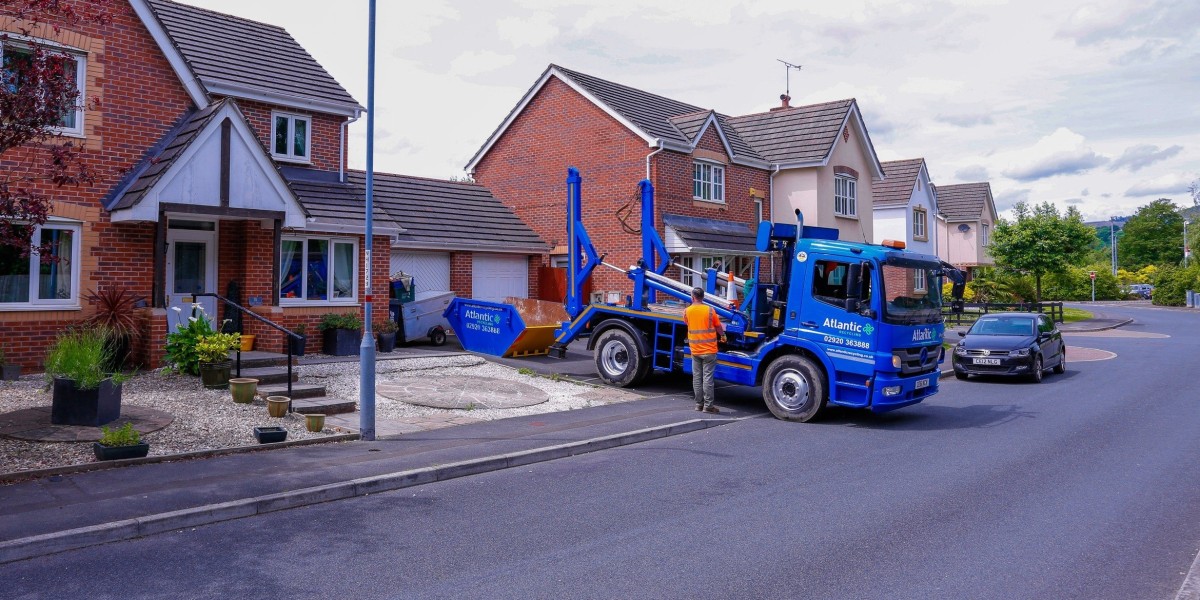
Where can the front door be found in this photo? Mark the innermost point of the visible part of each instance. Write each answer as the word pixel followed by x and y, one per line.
pixel 191 269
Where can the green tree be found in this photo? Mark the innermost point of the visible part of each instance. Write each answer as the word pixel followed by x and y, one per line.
pixel 1153 236
pixel 1041 241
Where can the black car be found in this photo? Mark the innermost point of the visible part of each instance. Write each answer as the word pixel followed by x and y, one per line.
pixel 1022 344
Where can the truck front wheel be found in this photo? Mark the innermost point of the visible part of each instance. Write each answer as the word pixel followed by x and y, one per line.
pixel 617 359
pixel 794 388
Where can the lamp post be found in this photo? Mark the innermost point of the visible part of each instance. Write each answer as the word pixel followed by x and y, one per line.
pixel 1112 241
pixel 1187 249
pixel 366 351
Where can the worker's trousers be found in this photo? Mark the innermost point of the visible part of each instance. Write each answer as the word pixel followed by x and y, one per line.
pixel 703 367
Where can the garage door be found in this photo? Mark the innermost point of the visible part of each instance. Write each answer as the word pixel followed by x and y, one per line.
pixel 495 277
pixel 431 270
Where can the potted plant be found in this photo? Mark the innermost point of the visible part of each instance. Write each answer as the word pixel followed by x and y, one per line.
pixel 117 444
pixel 297 344
pixel 243 389
pixel 385 335
pixel 117 313
pixel 8 371
pixel 270 435
pixel 213 353
pixel 182 343
pixel 341 333
pixel 277 406
pixel 83 392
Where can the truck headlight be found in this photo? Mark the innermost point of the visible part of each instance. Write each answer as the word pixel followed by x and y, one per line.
pixel 891 390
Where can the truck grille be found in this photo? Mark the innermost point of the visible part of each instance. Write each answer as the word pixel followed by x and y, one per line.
pixel 911 363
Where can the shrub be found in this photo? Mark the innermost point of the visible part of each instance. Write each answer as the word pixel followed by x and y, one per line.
pixel 1173 283
pixel 181 344
pixel 125 435
pixel 79 354
pixel 215 347
pixel 388 326
pixel 340 321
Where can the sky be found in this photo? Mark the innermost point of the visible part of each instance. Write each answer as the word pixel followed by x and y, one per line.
pixel 1093 104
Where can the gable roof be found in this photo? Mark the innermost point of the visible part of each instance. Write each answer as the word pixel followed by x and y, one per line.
pixel 965 201
pixel 709 236
pixel 797 137
pixel 429 213
pixel 231 56
pixel 897 188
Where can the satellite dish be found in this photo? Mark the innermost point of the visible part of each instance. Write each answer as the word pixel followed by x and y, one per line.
pixel 964 228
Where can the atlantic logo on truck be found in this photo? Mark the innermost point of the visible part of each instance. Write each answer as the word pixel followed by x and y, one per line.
pixel 847 326
pixel 923 335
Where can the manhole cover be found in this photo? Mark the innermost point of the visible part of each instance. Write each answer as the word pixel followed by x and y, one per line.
pixel 462 392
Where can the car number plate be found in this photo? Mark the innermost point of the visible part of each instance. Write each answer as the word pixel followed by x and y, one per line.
pixel 986 361
pixel 921 383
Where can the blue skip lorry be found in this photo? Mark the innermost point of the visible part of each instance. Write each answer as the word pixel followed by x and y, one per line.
pixel 821 321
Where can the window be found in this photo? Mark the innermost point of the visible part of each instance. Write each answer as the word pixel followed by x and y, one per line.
pixel 985 237
pixel 845 196
pixel 743 267
pixel 920 280
pixel 920 224
pixel 290 136
pixel 708 182
pixel 21 61
pixel 758 212
pixel 30 281
pixel 318 270
pixel 829 282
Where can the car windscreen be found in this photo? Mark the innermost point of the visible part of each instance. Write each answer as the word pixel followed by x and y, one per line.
pixel 1022 326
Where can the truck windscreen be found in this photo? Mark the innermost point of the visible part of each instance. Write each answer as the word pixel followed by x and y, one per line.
pixel 912 294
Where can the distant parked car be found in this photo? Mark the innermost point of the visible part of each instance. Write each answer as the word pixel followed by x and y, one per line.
pixel 1141 290
pixel 1020 344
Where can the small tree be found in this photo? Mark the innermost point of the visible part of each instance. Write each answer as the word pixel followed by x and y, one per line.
pixel 37 85
pixel 1041 241
pixel 1153 236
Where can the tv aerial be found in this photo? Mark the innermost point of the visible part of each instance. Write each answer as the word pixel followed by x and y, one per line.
pixel 787 72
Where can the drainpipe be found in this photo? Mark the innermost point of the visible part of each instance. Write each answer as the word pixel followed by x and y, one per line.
pixel 660 149
pixel 771 193
pixel 342 153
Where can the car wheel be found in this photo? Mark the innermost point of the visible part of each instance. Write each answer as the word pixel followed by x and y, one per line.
pixel 617 359
pixel 1061 367
pixel 962 376
pixel 1036 375
pixel 794 388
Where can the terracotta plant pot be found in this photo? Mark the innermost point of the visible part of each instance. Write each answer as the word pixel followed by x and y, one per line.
pixel 247 343
pixel 314 423
pixel 277 405
pixel 243 389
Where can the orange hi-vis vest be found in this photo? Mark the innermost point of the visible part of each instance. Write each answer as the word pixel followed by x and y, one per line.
pixel 702 325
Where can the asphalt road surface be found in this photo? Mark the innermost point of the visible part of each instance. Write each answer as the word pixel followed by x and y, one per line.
pixel 1083 486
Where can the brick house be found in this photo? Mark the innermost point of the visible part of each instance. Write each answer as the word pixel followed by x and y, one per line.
pixel 968 216
pixel 209 128
pixel 715 176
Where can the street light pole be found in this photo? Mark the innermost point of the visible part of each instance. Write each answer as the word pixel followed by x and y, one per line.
pixel 1112 241
pixel 1187 250
pixel 366 350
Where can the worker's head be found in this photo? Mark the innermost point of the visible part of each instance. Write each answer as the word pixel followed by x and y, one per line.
pixel 697 294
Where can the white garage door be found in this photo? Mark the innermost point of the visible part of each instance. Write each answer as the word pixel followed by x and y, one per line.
pixel 495 277
pixel 431 270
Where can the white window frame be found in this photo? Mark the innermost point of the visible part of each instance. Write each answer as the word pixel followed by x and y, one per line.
pixel 35 303
pixel 744 266
pixel 710 177
pixel 920 282
pixel 845 196
pixel 758 212
pixel 986 237
pixel 303 300
pixel 80 59
pixel 920 224
pixel 290 155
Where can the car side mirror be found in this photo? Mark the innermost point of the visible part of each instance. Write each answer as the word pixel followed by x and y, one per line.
pixel 962 334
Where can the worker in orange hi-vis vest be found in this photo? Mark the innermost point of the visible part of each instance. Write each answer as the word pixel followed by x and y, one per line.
pixel 704 329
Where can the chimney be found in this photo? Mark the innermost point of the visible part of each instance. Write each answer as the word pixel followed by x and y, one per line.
pixel 784 98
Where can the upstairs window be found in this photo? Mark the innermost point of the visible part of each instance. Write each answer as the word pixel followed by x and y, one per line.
pixel 708 182
pixel 290 136
pixel 57 74
pixel 985 238
pixel 920 224
pixel 845 196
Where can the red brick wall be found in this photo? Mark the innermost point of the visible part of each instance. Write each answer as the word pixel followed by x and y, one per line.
pixel 527 170
pixel 460 274
pixel 325 137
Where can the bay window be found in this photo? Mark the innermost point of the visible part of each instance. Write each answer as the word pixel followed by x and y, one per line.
pixel 318 270
pixel 42 280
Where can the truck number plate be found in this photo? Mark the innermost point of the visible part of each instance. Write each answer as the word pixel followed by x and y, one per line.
pixel 921 384
pixel 986 361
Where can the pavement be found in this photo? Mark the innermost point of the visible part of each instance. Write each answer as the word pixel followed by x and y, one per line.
pixel 66 511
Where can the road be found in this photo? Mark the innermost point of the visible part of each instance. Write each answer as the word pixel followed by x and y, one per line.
pixel 1084 486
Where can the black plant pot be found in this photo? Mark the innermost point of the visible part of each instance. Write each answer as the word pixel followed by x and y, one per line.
pixel 215 375
pixel 120 452
pixel 270 435
pixel 10 372
pixel 341 342
pixel 297 345
pixel 387 342
pixel 93 408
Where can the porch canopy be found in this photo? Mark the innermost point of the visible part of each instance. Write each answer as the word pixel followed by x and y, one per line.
pixel 699 236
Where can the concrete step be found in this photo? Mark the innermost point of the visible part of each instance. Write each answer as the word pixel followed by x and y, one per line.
pixel 256 359
pixel 323 405
pixel 299 390
pixel 270 375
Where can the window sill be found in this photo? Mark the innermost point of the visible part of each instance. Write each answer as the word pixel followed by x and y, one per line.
pixel 292 159
pixel 696 200
pixel 841 216
pixel 920 239
pixel 294 303
pixel 39 307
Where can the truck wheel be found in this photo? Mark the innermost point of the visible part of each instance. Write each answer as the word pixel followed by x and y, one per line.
pixel 794 388
pixel 437 336
pixel 617 359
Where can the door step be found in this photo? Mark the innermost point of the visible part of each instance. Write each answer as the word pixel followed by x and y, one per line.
pixel 299 390
pixel 270 375
pixel 323 405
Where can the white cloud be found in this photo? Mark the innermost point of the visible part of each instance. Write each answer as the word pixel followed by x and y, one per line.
pixel 1063 152
pixel 1165 185
pixel 1136 158
pixel 971 174
pixel 535 30
pixel 472 63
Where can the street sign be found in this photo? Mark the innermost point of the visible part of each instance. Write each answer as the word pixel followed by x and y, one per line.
pixel 1092 274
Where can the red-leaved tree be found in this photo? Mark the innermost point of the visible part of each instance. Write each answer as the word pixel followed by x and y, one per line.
pixel 37 87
